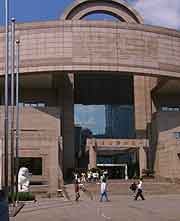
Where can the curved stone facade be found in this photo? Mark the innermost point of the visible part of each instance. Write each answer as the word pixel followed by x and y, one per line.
pixel 97 46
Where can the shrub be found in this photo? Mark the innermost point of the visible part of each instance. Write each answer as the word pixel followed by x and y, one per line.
pixel 20 196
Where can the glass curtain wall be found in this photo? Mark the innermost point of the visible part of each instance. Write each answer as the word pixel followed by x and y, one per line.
pixel 104 104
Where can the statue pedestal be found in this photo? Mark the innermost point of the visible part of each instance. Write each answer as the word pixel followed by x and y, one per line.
pixel 4 207
pixel 4 211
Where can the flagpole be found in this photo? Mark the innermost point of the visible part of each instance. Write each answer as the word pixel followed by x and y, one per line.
pixel 6 98
pixel 12 103
pixel 17 112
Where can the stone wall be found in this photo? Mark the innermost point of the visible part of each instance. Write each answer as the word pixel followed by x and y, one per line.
pixel 166 146
pixel 105 46
pixel 40 131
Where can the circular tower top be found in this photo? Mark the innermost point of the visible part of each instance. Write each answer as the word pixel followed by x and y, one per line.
pixel 117 8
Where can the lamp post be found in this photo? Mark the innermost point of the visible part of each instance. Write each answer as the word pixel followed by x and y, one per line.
pixel 6 98
pixel 17 111
pixel 12 103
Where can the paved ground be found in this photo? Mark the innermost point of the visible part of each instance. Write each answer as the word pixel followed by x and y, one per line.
pixel 120 208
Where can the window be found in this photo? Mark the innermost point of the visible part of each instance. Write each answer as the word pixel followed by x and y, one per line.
pixel 166 108
pixel 32 104
pixel 178 154
pixel 114 121
pixel 26 105
pixel 41 104
pixel 177 135
pixel 34 164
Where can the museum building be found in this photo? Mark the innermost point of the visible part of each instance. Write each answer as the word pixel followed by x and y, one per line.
pixel 97 94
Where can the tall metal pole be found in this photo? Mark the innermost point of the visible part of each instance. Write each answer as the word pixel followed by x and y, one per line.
pixel 6 97
pixel 12 103
pixel 17 112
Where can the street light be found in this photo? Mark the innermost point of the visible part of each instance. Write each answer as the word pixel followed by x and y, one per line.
pixel 12 103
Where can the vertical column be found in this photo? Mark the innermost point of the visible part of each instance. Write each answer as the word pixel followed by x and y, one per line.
pixel 60 161
pixel 68 124
pixel 1 163
pixel 139 104
pixel 153 81
pixel 92 157
pixel 142 105
pixel 147 88
pixel 126 172
pixel 142 159
pixel 53 168
pixel 59 85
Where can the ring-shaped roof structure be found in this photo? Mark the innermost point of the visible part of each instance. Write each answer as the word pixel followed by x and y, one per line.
pixel 117 8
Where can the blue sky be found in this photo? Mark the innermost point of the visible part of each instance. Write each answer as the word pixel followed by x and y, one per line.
pixel 34 10
pixel 165 13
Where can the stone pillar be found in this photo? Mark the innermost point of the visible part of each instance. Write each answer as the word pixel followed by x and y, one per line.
pixel 126 172
pixel 1 163
pixel 53 168
pixel 92 157
pixel 142 103
pixel 68 125
pixel 142 159
pixel 60 160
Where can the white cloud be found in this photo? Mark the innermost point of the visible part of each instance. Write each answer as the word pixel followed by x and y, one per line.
pixel 165 13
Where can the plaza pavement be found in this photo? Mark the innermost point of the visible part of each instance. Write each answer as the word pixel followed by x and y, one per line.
pixel 120 208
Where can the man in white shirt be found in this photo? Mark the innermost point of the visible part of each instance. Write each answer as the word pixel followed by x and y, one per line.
pixel 139 190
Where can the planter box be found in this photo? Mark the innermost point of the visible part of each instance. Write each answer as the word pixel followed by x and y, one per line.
pixel 15 209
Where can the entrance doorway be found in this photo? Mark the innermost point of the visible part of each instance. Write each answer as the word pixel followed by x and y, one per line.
pixel 115 171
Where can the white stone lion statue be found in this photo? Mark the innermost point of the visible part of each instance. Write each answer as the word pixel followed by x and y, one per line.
pixel 24 179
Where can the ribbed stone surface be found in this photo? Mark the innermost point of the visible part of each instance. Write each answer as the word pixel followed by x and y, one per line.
pixel 97 46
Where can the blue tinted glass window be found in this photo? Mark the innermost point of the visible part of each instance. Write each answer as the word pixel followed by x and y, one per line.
pixel 177 135
pixel 113 121
pixel 91 117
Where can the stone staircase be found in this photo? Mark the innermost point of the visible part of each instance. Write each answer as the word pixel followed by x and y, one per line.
pixel 122 188
pixel 115 187
pixel 45 204
pixel 69 193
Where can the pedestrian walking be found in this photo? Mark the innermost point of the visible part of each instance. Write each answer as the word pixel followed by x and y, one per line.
pixel 133 187
pixel 104 190
pixel 83 177
pixel 89 176
pixel 76 187
pixel 139 190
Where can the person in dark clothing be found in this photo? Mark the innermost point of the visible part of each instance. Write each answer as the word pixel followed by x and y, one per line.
pixel 76 187
pixel 139 190
pixel 133 187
